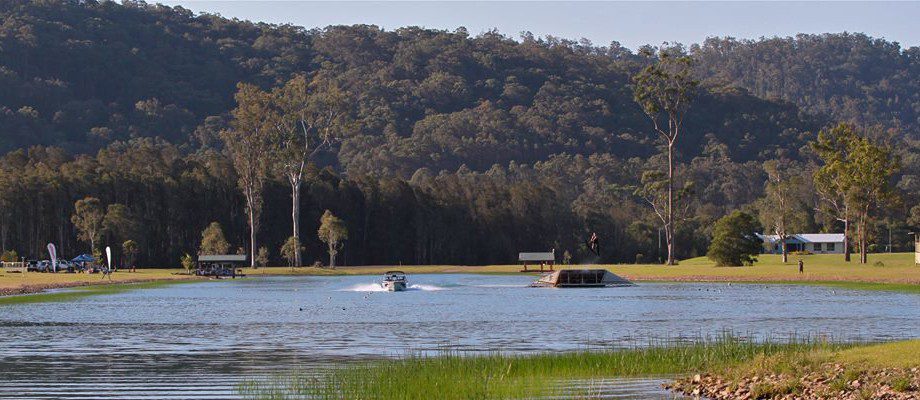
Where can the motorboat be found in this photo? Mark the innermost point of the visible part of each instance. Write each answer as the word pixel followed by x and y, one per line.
pixel 395 281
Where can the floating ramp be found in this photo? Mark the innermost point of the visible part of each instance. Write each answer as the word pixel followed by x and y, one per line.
pixel 581 278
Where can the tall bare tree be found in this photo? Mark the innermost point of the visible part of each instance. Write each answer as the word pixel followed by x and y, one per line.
pixel 248 142
pixel 311 112
pixel 664 90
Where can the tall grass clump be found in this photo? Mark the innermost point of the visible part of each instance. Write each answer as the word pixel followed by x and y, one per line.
pixel 502 376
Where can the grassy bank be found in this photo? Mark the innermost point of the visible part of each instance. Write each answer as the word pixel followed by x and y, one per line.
pixel 507 376
pixel 22 285
pixel 79 292
pixel 882 371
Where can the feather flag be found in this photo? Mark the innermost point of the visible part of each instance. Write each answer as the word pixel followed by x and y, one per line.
pixel 108 254
pixel 52 252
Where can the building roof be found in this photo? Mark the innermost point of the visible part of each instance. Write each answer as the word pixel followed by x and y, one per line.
pixel 808 238
pixel 223 258
pixel 550 256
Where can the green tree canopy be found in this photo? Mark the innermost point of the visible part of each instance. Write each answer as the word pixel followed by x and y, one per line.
pixel 213 240
pixel 333 232
pixel 734 242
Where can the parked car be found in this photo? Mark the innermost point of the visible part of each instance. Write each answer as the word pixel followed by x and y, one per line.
pixel 65 266
pixel 33 266
pixel 39 266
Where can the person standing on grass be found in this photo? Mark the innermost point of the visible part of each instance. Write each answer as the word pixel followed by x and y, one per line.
pixel 801 266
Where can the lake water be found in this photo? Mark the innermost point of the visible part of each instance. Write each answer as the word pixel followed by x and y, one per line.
pixel 198 340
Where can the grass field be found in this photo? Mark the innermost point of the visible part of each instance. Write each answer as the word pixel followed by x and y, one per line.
pixel 506 376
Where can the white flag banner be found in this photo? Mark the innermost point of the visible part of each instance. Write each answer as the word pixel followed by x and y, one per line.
pixel 108 254
pixel 52 252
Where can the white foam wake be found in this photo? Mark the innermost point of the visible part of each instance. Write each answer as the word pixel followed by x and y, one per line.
pixel 369 287
pixel 376 287
pixel 427 288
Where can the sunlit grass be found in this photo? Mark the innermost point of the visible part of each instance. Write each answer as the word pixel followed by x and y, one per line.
pixel 14 279
pixel 79 292
pixel 905 354
pixel 500 376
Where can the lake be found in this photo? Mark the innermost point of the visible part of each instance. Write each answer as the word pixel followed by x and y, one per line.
pixel 198 340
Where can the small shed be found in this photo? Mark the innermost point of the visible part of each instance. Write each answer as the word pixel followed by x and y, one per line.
pixel 545 259
pixel 917 249
pixel 218 265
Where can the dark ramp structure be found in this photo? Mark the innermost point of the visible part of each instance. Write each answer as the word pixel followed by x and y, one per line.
pixel 575 278
pixel 221 265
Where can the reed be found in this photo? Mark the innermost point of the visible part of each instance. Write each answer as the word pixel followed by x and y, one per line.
pixel 503 376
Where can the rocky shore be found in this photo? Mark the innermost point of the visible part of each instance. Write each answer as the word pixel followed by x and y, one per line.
pixel 830 381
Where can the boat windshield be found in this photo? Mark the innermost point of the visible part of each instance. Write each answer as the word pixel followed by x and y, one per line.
pixel 395 276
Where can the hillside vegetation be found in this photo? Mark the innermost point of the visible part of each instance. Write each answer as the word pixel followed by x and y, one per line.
pixel 455 148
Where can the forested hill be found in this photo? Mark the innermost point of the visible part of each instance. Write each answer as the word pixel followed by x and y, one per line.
pixel 81 75
pixel 456 148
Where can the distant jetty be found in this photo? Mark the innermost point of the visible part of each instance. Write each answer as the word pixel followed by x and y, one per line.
pixel 574 278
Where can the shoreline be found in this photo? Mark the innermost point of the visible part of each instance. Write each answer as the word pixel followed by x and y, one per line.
pixel 894 272
pixel 880 371
pixel 44 288
pixel 908 282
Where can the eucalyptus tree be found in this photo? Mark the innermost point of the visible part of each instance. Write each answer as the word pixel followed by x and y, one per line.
pixel 88 218
pixel 871 171
pixel 781 207
pixel 853 180
pixel 311 112
pixel 248 142
pixel 333 232
pixel 664 90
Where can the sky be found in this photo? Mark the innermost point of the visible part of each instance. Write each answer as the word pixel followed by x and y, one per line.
pixel 633 24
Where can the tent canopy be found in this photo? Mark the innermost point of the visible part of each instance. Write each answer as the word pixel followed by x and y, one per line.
pixel 83 258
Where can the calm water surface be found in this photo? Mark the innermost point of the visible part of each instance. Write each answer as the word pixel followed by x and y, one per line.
pixel 198 340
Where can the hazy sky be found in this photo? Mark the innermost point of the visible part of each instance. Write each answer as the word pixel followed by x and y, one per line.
pixel 631 23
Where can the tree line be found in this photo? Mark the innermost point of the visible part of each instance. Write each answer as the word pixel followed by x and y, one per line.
pixel 431 146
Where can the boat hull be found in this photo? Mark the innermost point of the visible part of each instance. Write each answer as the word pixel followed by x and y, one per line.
pixel 394 286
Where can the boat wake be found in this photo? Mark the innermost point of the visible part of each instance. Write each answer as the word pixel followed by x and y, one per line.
pixel 375 287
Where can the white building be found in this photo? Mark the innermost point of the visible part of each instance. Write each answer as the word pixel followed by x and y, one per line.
pixel 817 243
pixel 917 248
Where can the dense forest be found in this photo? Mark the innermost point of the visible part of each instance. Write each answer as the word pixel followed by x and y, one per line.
pixel 450 148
